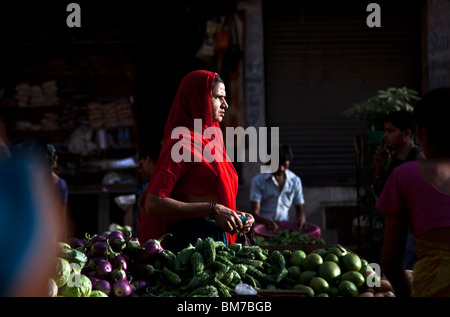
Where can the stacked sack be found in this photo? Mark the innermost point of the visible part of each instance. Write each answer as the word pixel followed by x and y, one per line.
pixel 95 115
pixel 50 121
pixel 109 115
pixel 43 95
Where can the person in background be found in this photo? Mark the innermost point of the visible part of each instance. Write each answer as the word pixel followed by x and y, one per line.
pixel 44 155
pixel 59 183
pixel 147 157
pixel 28 224
pixel 4 142
pixel 273 194
pixel 192 191
pixel 416 197
pixel 398 139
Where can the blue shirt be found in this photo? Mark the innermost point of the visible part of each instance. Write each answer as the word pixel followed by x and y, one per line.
pixel 275 203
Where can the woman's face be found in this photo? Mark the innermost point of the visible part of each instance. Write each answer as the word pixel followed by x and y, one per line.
pixel 218 102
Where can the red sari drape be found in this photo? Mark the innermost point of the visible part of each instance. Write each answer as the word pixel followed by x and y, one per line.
pixel 192 101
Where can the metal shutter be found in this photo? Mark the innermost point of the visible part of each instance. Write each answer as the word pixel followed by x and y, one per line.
pixel 321 59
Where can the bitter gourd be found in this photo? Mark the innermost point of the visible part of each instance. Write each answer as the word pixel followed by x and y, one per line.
pixel 197 263
pixel 209 249
pixel 171 276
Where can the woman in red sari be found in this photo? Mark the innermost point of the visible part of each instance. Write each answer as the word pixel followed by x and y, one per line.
pixel 194 196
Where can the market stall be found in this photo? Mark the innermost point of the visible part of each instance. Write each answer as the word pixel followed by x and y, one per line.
pixel 115 264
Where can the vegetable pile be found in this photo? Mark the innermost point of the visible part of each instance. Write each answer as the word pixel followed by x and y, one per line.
pixel 115 264
pixel 286 237
pixel 118 265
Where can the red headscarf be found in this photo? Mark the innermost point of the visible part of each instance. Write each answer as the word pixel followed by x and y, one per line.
pixel 192 101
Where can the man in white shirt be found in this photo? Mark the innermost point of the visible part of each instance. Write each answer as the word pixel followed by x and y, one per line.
pixel 273 194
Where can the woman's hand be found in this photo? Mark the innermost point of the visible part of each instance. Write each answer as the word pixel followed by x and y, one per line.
pixel 227 219
pixel 247 225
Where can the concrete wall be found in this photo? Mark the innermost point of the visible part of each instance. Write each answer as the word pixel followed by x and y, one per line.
pixel 317 199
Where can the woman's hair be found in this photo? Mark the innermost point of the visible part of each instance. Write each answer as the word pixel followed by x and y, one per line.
pixel 218 79
pixel 432 112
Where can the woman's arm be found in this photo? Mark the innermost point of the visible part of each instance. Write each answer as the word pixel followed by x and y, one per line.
pixel 392 255
pixel 172 209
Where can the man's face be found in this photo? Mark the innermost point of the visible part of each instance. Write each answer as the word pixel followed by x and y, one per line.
pixel 283 166
pixel 394 138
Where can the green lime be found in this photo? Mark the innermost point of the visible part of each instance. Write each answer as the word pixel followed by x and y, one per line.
pixel 338 251
pixel 331 257
pixel 354 277
pixel 297 257
pixel 351 262
pixel 320 251
pixel 319 285
pixel 312 261
pixel 334 291
pixel 322 295
pixel 294 271
pixel 366 270
pixel 329 271
pixel 302 287
pixel 348 289
pixel 364 262
pixel 306 276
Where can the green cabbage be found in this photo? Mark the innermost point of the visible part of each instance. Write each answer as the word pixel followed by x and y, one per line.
pixel 79 285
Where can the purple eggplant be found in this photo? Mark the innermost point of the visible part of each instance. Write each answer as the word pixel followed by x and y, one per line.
pixel 118 274
pixel 152 247
pixel 103 269
pixel 143 271
pixel 132 246
pixel 98 238
pixel 95 260
pixel 117 241
pixel 99 248
pixel 103 285
pixel 116 234
pixel 119 260
pixel 94 280
pixel 121 288
pixel 139 286
pixel 91 265
pixel 74 243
